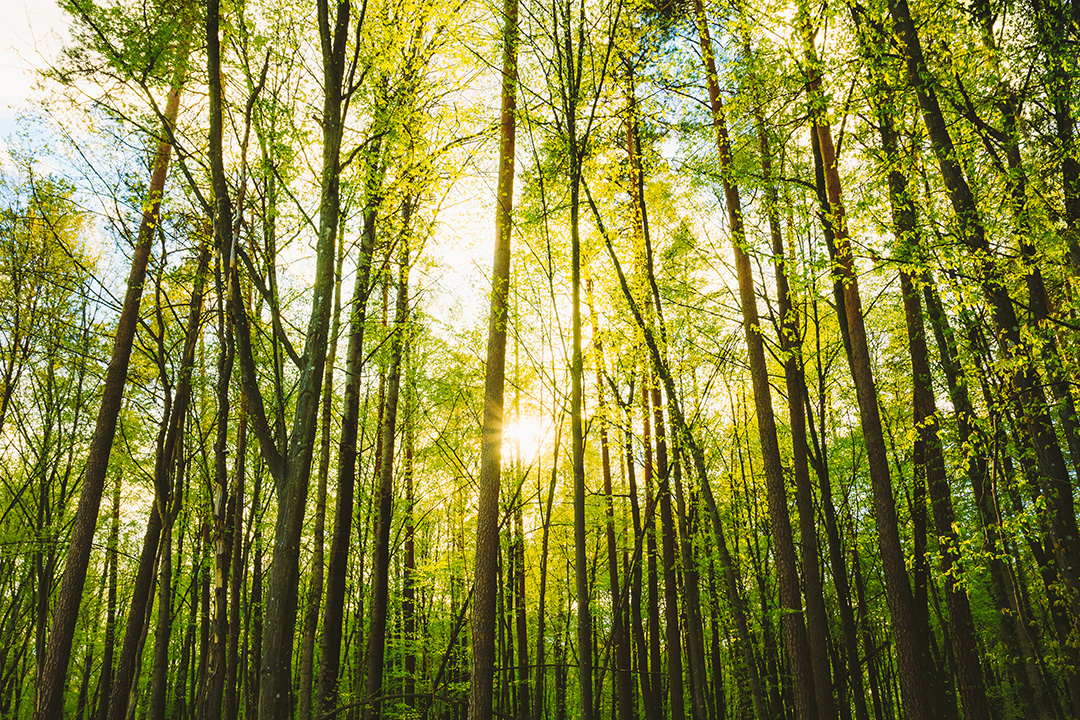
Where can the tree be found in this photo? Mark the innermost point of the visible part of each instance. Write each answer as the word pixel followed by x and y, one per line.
pixel 487 533
pixel 49 702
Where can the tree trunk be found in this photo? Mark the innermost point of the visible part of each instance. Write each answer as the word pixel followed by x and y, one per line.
pixel 912 650
pixel 1012 622
pixel 255 602
pixel 1029 400
pixel 636 623
pixel 790 342
pixel 381 565
pixel 541 619
pixel 107 665
pixel 521 625
pixel 732 580
pixel 929 459
pixel 291 469
pixel 648 653
pixel 655 675
pixel 159 681
pixel 214 684
pixel 408 579
pixel 311 614
pixel 577 440
pixel 330 644
pixel 1053 25
pixel 231 704
pixel 487 532
pixel 668 541
pixel 170 479
pixel 794 628
pixel 49 701
pixel 623 677
pixel 695 629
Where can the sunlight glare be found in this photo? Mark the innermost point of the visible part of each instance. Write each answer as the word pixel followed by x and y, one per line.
pixel 525 435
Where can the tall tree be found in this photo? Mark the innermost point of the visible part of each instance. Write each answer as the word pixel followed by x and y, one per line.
pixel 380 581
pixel 49 700
pixel 794 626
pixel 487 529
pixel 911 646
pixel 290 466
pixel 1028 399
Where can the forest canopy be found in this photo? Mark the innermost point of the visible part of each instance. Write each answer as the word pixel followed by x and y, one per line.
pixel 544 359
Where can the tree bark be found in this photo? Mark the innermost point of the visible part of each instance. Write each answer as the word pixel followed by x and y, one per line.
pixel 928 456
pixel 231 704
pixel 912 650
pixel 381 565
pixel 330 643
pixel 108 668
pixel 487 532
pixel 315 591
pixel 408 578
pixel 677 709
pixel 1029 400
pixel 290 468
pixel 794 628
pixel 623 677
pixel 732 581
pixel 213 686
pixel 817 626
pixel 49 700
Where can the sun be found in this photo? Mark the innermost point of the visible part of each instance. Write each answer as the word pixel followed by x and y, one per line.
pixel 526 436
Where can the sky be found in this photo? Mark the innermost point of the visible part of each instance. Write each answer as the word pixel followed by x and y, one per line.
pixel 31 33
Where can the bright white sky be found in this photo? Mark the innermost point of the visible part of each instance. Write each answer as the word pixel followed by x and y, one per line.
pixel 31 33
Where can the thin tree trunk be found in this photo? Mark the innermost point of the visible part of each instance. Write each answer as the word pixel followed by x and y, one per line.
pixel 961 624
pixel 649 653
pixel 487 532
pixel 231 704
pixel 719 706
pixel 912 649
pixel 541 618
pixel 330 644
pixel 732 580
pixel 929 459
pixel 794 628
pixel 256 602
pixel 170 478
pixel 198 680
pixel 521 626
pixel 1012 622
pixel 668 540
pixel 381 565
pixel 107 665
pixel 49 700
pixel 1029 400
pixel 214 684
pixel 790 342
pixel 408 579
pixel 636 623
pixel 655 675
pixel 695 629
pixel 159 682
pixel 315 592
pixel 291 466
pixel 180 684
pixel 577 441
pixel 1053 23
pixel 163 510
pixel 623 677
